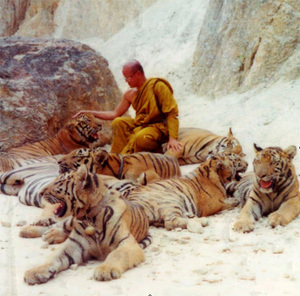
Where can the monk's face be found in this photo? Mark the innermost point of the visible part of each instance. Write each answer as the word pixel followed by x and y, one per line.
pixel 131 76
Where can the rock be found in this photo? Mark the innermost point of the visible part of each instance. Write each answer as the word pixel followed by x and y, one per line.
pixel 12 14
pixel 246 43
pixel 65 19
pixel 43 82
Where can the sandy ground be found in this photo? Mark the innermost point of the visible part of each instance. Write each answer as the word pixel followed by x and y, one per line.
pixel 215 262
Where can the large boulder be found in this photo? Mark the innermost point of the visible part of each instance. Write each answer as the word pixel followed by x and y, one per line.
pixel 43 82
pixel 246 43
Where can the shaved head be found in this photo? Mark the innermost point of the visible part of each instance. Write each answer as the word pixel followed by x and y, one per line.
pixel 134 66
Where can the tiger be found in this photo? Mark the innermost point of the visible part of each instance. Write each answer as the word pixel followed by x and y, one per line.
pixel 274 191
pixel 83 131
pixel 173 202
pixel 101 224
pixel 230 170
pixel 198 143
pixel 27 181
pixel 141 167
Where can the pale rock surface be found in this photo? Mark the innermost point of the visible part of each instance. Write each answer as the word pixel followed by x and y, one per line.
pixel 43 82
pixel 12 14
pixel 79 19
pixel 245 43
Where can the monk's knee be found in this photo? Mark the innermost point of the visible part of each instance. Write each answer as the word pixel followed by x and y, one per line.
pixel 146 143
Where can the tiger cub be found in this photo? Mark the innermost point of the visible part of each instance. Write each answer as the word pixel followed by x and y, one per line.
pixel 200 193
pixel 102 225
pixel 198 143
pixel 275 189
pixel 144 167
pixel 79 132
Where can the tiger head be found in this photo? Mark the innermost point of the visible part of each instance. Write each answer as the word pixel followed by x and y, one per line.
pixel 91 158
pixel 84 130
pixel 228 166
pixel 75 192
pixel 238 163
pixel 272 166
pixel 230 144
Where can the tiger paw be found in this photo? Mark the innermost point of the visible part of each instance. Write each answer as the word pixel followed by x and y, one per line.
pixel 243 226
pixel 54 236
pixel 276 219
pixel 178 222
pixel 39 275
pixel 32 231
pixel 106 273
pixel 44 222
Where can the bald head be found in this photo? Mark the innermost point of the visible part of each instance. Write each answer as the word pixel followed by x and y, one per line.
pixel 133 73
pixel 134 66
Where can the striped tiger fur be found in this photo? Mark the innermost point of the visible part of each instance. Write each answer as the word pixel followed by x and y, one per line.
pixel 143 167
pixel 79 132
pixel 117 227
pixel 28 182
pixel 200 193
pixel 198 143
pixel 241 189
pixel 275 189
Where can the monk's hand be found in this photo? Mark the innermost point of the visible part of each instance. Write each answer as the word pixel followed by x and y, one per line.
pixel 174 144
pixel 79 113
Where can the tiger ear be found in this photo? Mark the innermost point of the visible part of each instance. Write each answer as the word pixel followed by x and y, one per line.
pixel 101 157
pixel 291 151
pixel 230 134
pixel 82 176
pixel 257 149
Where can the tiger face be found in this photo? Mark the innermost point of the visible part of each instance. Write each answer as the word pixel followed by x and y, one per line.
pixel 272 166
pixel 229 166
pixel 84 129
pixel 91 158
pixel 238 163
pixel 73 192
pixel 229 144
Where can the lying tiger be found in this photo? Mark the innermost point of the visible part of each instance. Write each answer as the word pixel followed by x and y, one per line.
pixel 198 143
pixel 144 167
pixel 274 190
pixel 200 193
pixel 80 132
pixel 102 225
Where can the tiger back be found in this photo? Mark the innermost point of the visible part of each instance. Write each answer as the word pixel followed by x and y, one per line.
pixel 198 143
pixel 82 131
pixel 274 191
pixel 145 167
pixel 100 221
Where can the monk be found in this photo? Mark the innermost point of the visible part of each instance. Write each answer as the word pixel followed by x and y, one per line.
pixel 156 110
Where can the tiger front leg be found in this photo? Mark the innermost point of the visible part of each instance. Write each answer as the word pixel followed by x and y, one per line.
pixel 126 256
pixel 245 223
pixel 74 250
pixel 33 231
pixel 287 212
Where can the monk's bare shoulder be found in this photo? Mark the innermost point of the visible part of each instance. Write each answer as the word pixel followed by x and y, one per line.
pixel 130 94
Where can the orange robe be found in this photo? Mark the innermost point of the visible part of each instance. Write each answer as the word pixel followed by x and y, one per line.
pixel 156 119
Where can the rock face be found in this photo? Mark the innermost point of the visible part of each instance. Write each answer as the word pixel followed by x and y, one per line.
pixel 245 43
pixel 72 19
pixel 43 82
pixel 12 14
